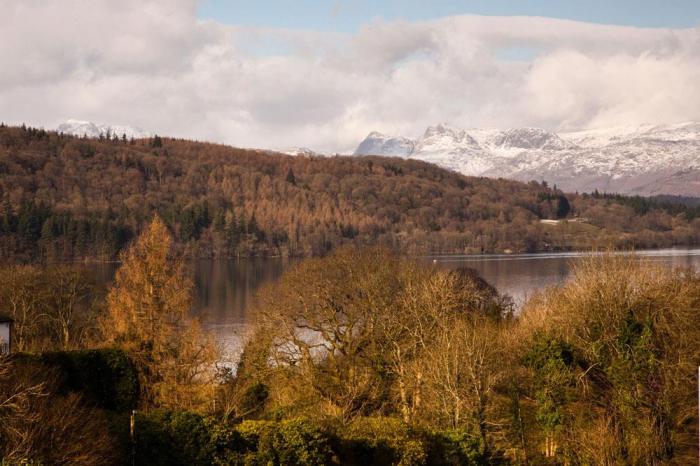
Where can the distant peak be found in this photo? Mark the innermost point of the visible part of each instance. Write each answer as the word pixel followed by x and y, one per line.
pixel 440 129
pixel 530 138
pixel 377 143
pixel 92 130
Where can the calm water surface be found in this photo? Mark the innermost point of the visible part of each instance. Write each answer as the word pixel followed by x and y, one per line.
pixel 226 289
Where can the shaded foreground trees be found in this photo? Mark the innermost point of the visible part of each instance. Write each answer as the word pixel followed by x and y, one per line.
pixel 366 334
pixel 601 370
pixel 40 425
pixel 363 357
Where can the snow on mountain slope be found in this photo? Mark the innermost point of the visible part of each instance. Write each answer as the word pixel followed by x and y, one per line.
pixel 92 130
pixel 378 144
pixel 303 151
pixel 643 160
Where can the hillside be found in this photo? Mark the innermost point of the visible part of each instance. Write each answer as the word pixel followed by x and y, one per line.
pixel 644 160
pixel 65 197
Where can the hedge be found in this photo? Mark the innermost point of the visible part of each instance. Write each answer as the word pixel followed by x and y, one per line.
pixel 183 438
pixel 105 378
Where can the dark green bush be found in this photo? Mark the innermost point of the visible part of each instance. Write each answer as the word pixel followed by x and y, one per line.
pixel 389 441
pixel 105 378
pixel 379 441
pixel 181 438
pixel 454 448
pixel 174 438
pixel 254 398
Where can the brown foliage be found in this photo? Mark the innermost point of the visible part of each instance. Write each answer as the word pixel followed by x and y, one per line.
pixel 37 424
pixel 148 309
pixel 53 308
pixel 224 201
pixel 356 333
pixel 633 330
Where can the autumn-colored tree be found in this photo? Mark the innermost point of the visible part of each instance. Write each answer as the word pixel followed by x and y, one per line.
pixel 356 333
pixel 148 316
pixel 323 332
pixel 611 358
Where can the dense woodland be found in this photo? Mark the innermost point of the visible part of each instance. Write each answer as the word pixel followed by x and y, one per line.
pixel 362 358
pixel 65 198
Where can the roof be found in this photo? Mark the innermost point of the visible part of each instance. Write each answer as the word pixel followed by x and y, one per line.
pixel 5 319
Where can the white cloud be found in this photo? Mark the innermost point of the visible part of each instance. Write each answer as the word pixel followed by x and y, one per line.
pixel 153 64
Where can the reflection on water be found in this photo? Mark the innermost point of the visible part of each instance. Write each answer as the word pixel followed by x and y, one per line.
pixel 226 289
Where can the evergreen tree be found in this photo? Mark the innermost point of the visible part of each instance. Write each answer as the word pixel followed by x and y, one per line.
pixel 232 232
pixel 290 177
pixel 253 227
pixel 48 238
pixel 219 221
pixel 8 220
pixel 563 206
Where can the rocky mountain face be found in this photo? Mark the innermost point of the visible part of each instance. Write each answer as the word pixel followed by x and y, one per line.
pixel 645 160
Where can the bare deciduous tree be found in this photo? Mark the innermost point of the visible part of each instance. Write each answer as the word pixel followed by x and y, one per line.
pixel 37 424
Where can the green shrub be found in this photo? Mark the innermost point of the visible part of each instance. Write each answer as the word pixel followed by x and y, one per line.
pixel 295 441
pixel 453 448
pixel 389 441
pixel 254 398
pixel 380 441
pixel 105 378
pixel 182 438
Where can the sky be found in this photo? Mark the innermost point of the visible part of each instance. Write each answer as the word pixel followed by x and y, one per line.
pixel 351 15
pixel 323 74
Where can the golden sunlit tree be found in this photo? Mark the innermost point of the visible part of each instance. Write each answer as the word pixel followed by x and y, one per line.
pixel 148 309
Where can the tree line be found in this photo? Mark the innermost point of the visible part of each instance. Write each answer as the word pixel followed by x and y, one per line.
pixel 65 198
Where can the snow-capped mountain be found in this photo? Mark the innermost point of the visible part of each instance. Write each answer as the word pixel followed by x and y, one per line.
pixel 645 160
pixel 92 130
pixel 377 143
pixel 303 151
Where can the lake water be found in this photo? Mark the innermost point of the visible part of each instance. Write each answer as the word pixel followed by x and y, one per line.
pixel 226 289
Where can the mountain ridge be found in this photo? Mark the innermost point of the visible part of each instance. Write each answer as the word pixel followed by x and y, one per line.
pixel 643 160
pixel 89 129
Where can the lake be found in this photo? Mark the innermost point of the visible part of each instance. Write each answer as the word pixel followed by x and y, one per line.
pixel 226 289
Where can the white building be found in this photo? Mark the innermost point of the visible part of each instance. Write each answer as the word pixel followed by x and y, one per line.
pixel 5 335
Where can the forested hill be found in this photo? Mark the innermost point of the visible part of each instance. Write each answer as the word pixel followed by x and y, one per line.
pixel 65 197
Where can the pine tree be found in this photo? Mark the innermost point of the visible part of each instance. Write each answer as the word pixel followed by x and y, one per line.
pixel 253 227
pixel 148 316
pixel 563 207
pixel 48 234
pixel 8 220
pixel 290 177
